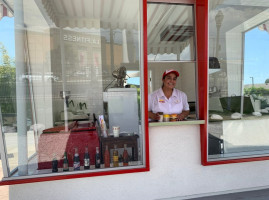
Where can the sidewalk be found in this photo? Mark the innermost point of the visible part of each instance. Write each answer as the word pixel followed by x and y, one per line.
pixel 4 190
pixel 262 194
pixel 249 195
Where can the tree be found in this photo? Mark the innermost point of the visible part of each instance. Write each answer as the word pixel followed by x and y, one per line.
pixel 7 82
pixel 267 81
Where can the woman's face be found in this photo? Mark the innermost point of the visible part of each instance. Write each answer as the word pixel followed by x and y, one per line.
pixel 170 81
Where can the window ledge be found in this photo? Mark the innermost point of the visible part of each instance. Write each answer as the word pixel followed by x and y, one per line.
pixel 185 122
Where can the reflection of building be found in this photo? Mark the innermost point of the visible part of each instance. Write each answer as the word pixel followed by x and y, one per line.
pixel 82 69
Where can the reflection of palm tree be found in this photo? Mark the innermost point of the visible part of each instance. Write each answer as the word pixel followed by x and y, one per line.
pixel 218 18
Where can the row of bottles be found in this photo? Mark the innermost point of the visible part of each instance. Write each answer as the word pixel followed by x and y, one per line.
pixel 76 160
pixel 115 157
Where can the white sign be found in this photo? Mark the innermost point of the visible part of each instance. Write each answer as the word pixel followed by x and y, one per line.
pixel 80 39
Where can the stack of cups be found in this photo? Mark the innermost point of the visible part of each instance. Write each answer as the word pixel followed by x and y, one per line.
pixel 116 131
pixel 161 116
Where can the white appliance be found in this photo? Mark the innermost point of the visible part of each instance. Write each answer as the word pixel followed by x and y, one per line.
pixel 123 109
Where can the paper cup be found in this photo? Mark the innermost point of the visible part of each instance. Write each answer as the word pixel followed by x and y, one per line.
pixel 116 131
pixel 161 118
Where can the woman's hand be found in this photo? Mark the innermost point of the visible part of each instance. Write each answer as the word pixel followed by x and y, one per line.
pixel 183 115
pixel 153 116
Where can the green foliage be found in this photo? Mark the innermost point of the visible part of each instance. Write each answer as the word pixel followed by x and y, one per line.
pixel 260 91
pixel 7 82
pixel 258 94
pixel 5 60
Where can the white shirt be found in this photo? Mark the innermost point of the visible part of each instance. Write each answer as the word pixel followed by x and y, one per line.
pixel 178 102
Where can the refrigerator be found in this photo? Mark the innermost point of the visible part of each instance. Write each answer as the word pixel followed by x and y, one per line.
pixel 123 109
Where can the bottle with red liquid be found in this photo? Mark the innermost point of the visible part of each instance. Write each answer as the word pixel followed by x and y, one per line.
pixel 107 157
pixel 125 156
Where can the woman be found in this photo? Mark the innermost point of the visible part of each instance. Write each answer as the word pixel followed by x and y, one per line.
pixel 167 99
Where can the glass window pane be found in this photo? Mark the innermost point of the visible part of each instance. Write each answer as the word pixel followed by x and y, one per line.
pixel 238 115
pixel 72 97
pixel 170 34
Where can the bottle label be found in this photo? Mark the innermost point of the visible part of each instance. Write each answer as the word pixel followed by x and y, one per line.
pixel 115 158
pixel 65 166
pixel 87 162
pixel 76 166
pixel 98 161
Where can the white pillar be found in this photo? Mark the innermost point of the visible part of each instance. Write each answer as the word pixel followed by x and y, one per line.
pixel 64 79
pixel 20 87
pixel 125 58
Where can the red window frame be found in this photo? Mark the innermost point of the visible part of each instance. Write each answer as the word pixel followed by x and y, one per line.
pixel 202 61
pixel 54 177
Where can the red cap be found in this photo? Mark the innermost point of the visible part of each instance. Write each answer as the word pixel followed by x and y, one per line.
pixel 169 71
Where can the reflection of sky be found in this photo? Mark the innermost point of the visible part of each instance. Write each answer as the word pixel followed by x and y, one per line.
pixel 256 56
pixel 133 80
pixel 7 35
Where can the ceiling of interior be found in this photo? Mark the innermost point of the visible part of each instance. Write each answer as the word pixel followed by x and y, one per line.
pixel 169 27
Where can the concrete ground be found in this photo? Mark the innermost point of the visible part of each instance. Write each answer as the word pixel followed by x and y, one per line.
pixel 249 195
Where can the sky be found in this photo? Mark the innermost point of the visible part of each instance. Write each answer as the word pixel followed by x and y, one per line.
pixel 7 35
pixel 256 51
pixel 256 56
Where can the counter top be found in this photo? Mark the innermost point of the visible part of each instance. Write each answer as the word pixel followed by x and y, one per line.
pixel 177 123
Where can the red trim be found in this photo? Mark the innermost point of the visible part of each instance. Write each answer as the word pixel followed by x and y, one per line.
pixel 219 162
pixel 145 43
pixel 54 177
pixel 202 60
pixel 4 11
pixel 71 176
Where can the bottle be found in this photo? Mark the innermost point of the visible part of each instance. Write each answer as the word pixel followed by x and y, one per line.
pixel 125 156
pixel 115 157
pixel 97 158
pixel 107 157
pixel 76 163
pixel 54 164
pixel 86 159
pixel 65 164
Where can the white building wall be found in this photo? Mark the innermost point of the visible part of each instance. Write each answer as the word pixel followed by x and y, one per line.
pixel 234 59
pixel 175 171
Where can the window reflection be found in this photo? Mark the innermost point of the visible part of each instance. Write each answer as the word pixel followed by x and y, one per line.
pixel 77 85
pixel 237 80
pixel 170 32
